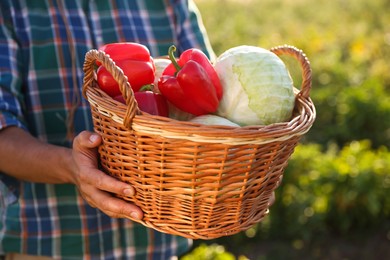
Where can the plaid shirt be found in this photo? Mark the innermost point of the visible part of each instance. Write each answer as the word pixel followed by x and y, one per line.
pixel 42 48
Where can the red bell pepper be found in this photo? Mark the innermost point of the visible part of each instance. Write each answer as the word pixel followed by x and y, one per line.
pixel 135 61
pixel 191 82
pixel 149 102
pixel 125 51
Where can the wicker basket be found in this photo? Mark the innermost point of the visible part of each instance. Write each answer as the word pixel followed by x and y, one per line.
pixel 192 180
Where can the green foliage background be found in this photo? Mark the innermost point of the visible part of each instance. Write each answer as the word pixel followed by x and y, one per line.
pixel 334 201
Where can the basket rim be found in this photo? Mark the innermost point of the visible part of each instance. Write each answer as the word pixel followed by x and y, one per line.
pixel 148 124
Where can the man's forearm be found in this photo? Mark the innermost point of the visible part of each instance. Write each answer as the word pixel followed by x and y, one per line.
pixel 27 158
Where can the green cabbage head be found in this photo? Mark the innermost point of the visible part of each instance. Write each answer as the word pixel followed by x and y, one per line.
pixel 258 88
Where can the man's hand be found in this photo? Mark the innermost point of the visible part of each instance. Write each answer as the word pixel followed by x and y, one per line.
pixel 96 187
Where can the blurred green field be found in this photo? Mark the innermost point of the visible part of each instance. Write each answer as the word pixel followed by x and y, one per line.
pixel 334 201
pixel 347 42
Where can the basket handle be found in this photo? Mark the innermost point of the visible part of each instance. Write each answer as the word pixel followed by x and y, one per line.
pixel 305 65
pixel 89 75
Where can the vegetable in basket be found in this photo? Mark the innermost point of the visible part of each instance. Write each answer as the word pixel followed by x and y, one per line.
pixel 136 63
pixel 149 102
pixel 191 83
pixel 160 65
pixel 258 89
pixel 213 120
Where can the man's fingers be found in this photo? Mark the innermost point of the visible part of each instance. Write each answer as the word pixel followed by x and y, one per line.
pixel 104 182
pixel 96 187
pixel 115 207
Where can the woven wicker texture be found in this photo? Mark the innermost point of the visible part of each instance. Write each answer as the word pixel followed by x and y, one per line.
pixel 197 181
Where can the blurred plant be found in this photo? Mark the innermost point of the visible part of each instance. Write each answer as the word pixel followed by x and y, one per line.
pixel 209 252
pixel 339 191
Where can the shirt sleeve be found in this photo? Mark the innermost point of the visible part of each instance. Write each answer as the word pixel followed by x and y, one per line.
pixel 191 32
pixel 10 93
pixel 11 113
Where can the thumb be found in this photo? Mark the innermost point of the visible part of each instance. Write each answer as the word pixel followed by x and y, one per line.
pixel 85 152
pixel 86 140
